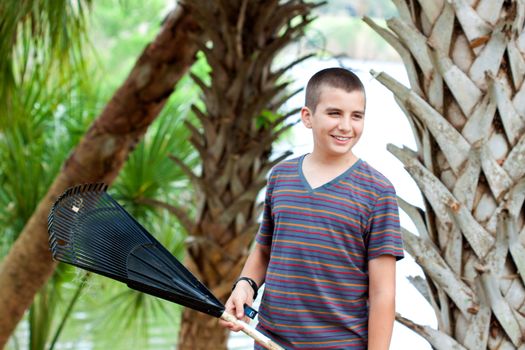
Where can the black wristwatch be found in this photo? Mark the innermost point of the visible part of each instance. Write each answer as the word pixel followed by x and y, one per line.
pixel 252 283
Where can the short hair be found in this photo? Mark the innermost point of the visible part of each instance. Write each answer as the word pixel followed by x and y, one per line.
pixel 340 78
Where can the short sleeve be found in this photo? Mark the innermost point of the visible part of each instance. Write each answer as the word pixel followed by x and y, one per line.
pixel 265 233
pixel 384 234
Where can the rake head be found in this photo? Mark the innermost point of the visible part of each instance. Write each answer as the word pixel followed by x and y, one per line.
pixel 89 229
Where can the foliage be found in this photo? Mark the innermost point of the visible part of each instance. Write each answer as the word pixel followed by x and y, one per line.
pixel 47 117
pixel 119 31
pixel 31 28
pixel 48 113
pixel 149 173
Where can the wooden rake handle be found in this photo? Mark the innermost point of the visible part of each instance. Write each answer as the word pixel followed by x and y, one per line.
pixel 252 332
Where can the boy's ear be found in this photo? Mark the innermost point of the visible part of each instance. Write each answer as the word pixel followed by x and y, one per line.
pixel 306 117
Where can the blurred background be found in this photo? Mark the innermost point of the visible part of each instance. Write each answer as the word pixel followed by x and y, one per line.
pixel 79 311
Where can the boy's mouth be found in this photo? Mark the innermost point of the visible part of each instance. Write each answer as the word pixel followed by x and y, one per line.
pixel 341 138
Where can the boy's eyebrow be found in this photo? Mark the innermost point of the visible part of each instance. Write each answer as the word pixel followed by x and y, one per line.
pixel 335 109
pixel 332 109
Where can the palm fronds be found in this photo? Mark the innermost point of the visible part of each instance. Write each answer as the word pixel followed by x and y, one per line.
pixel 39 32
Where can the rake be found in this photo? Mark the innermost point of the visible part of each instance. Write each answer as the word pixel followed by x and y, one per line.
pixel 89 229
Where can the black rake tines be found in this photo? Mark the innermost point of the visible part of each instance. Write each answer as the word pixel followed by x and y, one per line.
pixel 89 229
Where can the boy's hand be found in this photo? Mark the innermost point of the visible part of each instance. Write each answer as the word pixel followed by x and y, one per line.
pixel 242 294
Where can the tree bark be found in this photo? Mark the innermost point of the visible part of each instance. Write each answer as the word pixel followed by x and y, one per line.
pixel 99 157
pixel 201 332
pixel 238 124
pixel 465 62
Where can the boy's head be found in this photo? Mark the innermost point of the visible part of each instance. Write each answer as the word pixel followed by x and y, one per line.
pixel 340 78
pixel 334 111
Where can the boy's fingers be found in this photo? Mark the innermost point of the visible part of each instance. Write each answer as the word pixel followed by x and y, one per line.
pixel 225 323
pixel 234 327
pixel 229 308
pixel 239 308
pixel 230 325
pixel 235 306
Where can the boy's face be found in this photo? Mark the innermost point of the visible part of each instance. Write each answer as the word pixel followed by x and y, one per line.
pixel 337 122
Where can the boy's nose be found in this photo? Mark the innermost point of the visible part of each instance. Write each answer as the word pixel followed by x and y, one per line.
pixel 344 124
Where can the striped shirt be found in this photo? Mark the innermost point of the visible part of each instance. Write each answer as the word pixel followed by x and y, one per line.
pixel 316 287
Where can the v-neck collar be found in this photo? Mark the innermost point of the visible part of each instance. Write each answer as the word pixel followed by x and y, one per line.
pixel 336 179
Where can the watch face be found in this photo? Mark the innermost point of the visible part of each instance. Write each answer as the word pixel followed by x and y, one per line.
pixel 249 311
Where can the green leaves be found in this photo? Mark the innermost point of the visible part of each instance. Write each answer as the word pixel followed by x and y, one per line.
pixel 46 118
pixel 149 172
pixel 266 119
pixel 48 105
pixel 39 33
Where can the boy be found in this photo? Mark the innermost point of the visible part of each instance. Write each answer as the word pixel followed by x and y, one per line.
pixel 330 237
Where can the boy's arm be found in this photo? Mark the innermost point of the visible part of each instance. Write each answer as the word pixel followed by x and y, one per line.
pixel 254 268
pixel 256 264
pixel 382 286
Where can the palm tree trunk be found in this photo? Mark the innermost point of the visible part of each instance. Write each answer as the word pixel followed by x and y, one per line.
pixel 465 62
pixel 239 124
pixel 98 158
pixel 201 332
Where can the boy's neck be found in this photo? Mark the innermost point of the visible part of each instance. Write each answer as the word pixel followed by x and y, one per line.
pixel 321 170
pixel 338 162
